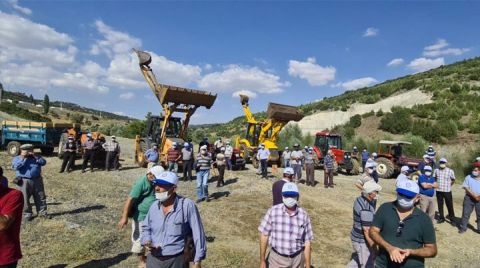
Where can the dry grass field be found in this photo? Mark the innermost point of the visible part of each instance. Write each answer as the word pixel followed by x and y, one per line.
pixel 86 209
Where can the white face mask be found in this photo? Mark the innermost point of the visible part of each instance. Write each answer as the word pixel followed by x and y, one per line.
pixel 290 202
pixel 443 166
pixel 162 197
pixel 475 174
pixel 428 173
pixel 370 171
pixel 405 203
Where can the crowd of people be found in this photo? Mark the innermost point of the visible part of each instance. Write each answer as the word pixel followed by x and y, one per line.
pixel 167 229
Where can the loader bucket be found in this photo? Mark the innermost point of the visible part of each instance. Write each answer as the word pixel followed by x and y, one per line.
pixel 283 112
pixel 144 58
pixel 244 99
pixel 172 94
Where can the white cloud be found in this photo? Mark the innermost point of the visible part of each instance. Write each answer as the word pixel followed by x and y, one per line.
pixel 309 70
pixel 370 32
pixel 127 96
pixel 113 42
pixel 424 64
pixel 395 62
pixel 248 93
pixel 16 6
pixel 119 113
pixel 441 48
pixel 235 78
pixel 357 83
pixel 78 81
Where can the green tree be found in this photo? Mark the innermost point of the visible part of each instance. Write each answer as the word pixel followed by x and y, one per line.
pixel 355 121
pixel 134 128
pixel 46 104
pixel 396 122
pixel 77 118
pixel 32 100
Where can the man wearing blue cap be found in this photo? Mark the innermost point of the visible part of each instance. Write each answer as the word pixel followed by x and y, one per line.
pixel 290 244
pixel 404 234
pixel 172 229
pixel 427 185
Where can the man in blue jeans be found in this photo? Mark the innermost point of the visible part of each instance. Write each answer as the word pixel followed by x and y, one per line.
pixel 203 165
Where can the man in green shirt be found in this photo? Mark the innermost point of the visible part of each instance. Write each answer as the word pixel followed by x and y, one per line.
pixel 404 233
pixel 138 203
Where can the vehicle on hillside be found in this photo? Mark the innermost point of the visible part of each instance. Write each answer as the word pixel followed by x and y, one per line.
pixel 43 135
pixel 325 141
pixel 391 159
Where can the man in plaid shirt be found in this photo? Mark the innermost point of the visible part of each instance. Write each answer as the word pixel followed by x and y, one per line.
pixel 445 179
pixel 288 230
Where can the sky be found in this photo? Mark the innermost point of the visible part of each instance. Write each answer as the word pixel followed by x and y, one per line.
pixel 289 52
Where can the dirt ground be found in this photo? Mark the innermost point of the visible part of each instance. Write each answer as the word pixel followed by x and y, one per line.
pixel 86 208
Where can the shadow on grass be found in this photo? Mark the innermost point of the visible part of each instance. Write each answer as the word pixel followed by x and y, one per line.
pixel 231 181
pixel 219 195
pixel 79 210
pixel 107 262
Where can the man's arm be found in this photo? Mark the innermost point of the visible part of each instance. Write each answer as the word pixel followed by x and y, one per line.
pixel 263 249
pixel 40 160
pixel 308 254
pixel 428 251
pixel 198 233
pixel 470 193
pixel 6 221
pixel 12 207
pixel 126 208
pixel 395 253
pixel 366 233
pixel 18 162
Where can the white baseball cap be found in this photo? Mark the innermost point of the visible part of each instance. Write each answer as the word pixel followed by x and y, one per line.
pixel 371 186
pixel 408 188
pixel 443 160
pixel 370 164
pixel 290 189
pixel 156 171
pixel 203 147
pixel 427 168
pixel 166 178
pixel 288 171
pixel 404 169
pixel 374 154
pixel 286 148
pixel 425 156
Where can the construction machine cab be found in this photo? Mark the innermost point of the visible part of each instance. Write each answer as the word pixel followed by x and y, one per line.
pixel 325 141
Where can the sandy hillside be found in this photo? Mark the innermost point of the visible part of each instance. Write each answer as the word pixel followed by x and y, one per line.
pixel 86 209
pixel 327 119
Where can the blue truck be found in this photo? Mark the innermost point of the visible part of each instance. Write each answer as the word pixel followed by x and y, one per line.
pixel 43 135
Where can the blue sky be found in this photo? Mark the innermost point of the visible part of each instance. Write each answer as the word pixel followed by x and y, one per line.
pixel 286 52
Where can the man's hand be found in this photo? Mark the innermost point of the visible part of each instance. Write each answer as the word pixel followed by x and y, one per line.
pixel 478 198
pixel 197 265
pixel 396 255
pixel 123 221
pixel 405 252
pixel 263 264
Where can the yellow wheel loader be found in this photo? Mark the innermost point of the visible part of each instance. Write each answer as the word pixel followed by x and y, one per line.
pixel 266 132
pixel 166 129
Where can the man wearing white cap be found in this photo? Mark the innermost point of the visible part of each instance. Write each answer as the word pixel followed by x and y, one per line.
pixel 152 155
pixel 262 155
pixel 363 212
pixel 404 171
pixel 173 156
pixel 404 234
pixel 69 154
pixel 203 165
pixel 112 147
pixel 286 157
pixel 290 244
pixel 427 185
pixel 426 162
pixel 471 201
pixel 310 167
pixel 296 159
pixel 136 206
pixel 228 154
pixel 367 175
pixel 90 147
pixel 173 229
pixel 277 186
pixel 445 179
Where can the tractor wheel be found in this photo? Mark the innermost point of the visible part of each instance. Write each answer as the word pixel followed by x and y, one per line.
pixel 13 148
pixel 385 168
pixel 355 167
pixel 245 153
pixel 140 157
pixel 255 162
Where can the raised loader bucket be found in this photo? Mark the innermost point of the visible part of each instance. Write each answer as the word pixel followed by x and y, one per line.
pixel 283 112
pixel 244 99
pixel 172 94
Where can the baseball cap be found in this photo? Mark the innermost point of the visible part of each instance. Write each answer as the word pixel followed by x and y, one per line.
pixel 427 168
pixel 296 145
pixel 405 169
pixel 443 160
pixel 288 171
pixel 374 154
pixel 425 156
pixel 203 147
pixel 290 189
pixel 370 164
pixel 156 171
pixel 408 188
pixel 477 159
pixel 70 138
pixel 166 178
pixel 174 143
pixel 89 134
pixel 371 186
pixel 26 146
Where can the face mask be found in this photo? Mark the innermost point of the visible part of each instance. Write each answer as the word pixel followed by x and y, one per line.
pixel 405 203
pixel 204 152
pixel 475 174
pixel 369 170
pixel 289 202
pixel 443 166
pixel 428 173
pixel 376 197
pixel 162 197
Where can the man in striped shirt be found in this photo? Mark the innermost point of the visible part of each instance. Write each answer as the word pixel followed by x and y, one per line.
pixel 445 179
pixel 173 156
pixel 329 164
pixel 203 164
pixel 287 229
pixel 363 212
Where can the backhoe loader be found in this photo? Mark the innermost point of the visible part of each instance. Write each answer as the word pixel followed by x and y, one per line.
pixel 266 132
pixel 166 129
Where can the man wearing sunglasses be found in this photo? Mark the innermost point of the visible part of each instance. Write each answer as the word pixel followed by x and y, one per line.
pixel 404 234
pixel 288 230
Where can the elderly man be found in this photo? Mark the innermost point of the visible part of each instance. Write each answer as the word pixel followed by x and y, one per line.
pixel 262 155
pixel 173 156
pixel 69 154
pixel 426 162
pixel 28 172
pixel 445 178
pixel 228 154
pixel 136 206
pixel 89 150
pixel 328 169
pixel 367 175
pixel 363 212
pixel 152 156
pixel 365 156
pixel 427 185
pixel 173 229
pixel 187 161
pixel 277 186
pixel 395 229
pixel 220 162
pixel 296 161
pixel 404 171
pixel 290 244
pixel 203 165
pixel 310 167
pixel 112 147
pixel 286 155
pixel 471 201
pixel 11 205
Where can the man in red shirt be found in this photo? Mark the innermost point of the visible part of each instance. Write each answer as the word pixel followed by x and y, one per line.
pixel 11 206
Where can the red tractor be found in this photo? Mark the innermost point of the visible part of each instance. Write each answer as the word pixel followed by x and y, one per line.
pixel 325 141
pixel 391 158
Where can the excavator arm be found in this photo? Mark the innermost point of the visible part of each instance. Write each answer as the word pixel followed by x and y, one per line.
pixel 246 109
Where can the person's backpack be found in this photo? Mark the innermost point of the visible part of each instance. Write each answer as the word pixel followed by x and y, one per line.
pixel 189 248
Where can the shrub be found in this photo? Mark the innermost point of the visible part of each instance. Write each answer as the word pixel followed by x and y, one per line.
pixel 427 130
pixel 132 129
pixel 455 88
pixel 396 122
pixel 12 109
pixel 379 113
pixel 77 118
pixel 355 121
pixel 292 134
pixel 447 129
pixel 366 115
pixel 417 148
pixel 409 84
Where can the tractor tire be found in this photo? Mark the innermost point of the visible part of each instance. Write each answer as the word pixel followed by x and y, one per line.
pixel 13 148
pixel 255 162
pixel 356 167
pixel 245 153
pixel 140 158
pixel 47 150
pixel 385 168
